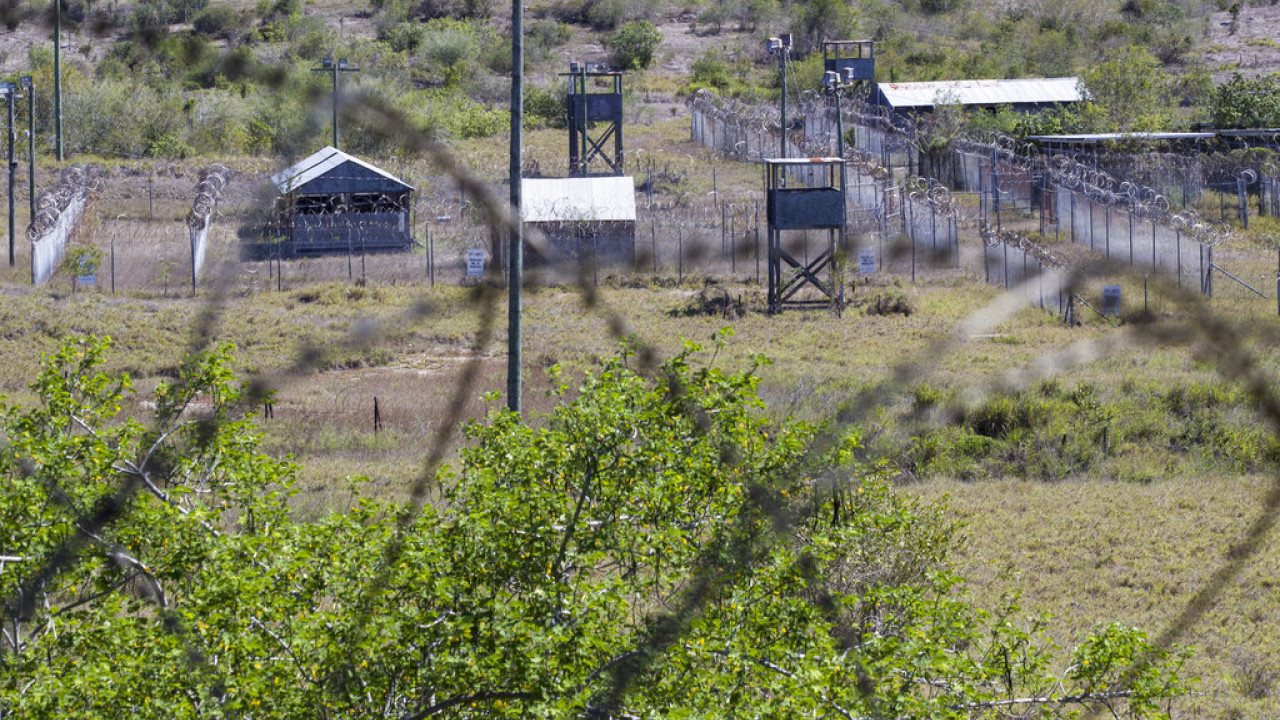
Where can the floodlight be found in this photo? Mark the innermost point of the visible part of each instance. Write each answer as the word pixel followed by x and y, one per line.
pixel 786 40
pixel 26 81
pixel 773 44
pixel 342 63
pixel 573 67
pixel 849 74
pixel 326 63
pixel 831 79
pixel 6 88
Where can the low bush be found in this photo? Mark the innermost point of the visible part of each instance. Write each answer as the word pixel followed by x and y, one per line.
pixel 219 21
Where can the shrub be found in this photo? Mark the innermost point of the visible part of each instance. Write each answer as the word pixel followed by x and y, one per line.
pixel 542 107
pixel 404 37
pixel 711 70
pixel 219 21
pixel 633 45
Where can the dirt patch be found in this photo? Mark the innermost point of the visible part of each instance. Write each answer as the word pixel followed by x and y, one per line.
pixel 1251 48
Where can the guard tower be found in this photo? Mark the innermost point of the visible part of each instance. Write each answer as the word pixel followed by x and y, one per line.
pixel 854 61
pixel 594 118
pixel 805 194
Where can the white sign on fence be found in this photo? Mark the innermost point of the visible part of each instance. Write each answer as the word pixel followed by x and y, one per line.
pixel 866 260
pixel 475 263
pixel 1110 299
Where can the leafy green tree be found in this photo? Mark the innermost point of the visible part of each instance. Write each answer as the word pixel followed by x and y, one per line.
pixel 1247 102
pixel 654 546
pixel 634 44
pixel 1133 88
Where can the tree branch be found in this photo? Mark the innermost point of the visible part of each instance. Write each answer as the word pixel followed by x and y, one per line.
pixel 461 699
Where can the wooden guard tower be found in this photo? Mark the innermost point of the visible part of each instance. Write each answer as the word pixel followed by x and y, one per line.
pixel 854 61
pixel 594 119
pixel 805 194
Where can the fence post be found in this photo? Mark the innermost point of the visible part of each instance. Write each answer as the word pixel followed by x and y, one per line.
pixel 733 244
pixel 1130 214
pixel 680 254
pixel 1242 201
pixel 724 214
pixel 653 240
pixel 757 251
pixel 1177 234
pixel 995 184
pixel 1005 264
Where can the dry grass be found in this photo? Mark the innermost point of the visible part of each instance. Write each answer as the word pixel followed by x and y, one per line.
pixel 1089 550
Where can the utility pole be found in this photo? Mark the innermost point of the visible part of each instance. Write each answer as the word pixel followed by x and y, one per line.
pixel 29 87
pixel 9 90
pixel 57 78
pixel 327 65
pixel 781 46
pixel 515 286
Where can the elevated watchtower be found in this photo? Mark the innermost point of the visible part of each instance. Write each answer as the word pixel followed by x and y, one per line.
pixel 854 61
pixel 594 118
pixel 805 194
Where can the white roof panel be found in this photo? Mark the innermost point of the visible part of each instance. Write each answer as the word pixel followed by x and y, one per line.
pixel 1106 137
pixel 982 92
pixel 319 163
pixel 589 199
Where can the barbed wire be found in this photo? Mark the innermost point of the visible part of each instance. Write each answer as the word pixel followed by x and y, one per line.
pixel 75 181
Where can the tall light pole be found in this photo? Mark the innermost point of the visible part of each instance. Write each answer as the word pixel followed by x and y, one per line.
pixel 57 79
pixel 29 87
pixel 781 46
pixel 9 90
pixel 515 286
pixel 327 65
pixel 836 84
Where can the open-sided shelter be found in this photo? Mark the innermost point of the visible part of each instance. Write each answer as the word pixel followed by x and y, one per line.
pixel 334 203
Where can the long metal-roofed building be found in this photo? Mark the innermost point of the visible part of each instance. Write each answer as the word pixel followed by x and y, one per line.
pixel 583 219
pixel 335 203
pixel 1022 95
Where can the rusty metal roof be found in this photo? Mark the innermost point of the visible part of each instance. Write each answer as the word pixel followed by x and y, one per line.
pixel 1035 91
pixel 588 199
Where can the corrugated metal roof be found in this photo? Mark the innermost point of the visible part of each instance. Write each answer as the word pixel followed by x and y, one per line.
pixel 590 199
pixel 317 164
pixel 981 92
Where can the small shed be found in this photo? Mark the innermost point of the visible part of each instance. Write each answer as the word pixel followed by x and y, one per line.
pixel 334 203
pixel 584 219
pixel 1023 95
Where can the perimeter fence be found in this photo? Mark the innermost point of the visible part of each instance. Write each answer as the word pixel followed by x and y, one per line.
pixel 975 180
